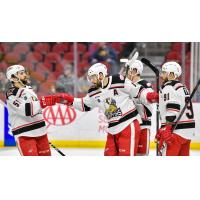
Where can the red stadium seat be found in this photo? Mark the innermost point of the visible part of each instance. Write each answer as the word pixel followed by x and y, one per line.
pixel 83 64
pixel 86 56
pixel 27 65
pixel 6 46
pixel 60 47
pixel 21 48
pixel 42 48
pixel 3 66
pixel 173 56
pixel 81 48
pixel 177 46
pixel 34 56
pixel 116 46
pixel 52 57
pixel 69 57
pixel 12 58
pixel 37 76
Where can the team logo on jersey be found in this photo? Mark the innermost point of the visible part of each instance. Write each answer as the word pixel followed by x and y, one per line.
pixel 98 99
pixel 111 108
pixel 34 98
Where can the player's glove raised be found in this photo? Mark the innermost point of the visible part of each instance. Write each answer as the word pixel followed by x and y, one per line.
pixel 49 100
pixel 66 98
pixel 153 97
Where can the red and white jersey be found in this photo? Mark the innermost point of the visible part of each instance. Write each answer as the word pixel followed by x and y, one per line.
pixel 25 113
pixel 144 107
pixel 115 100
pixel 172 98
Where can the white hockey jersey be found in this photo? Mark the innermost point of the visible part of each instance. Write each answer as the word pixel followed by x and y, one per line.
pixel 143 107
pixel 115 100
pixel 25 113
pixel 172 99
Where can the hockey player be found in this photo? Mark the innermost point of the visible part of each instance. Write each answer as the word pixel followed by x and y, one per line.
pixel 144 108
pixel 113 95
pixel 173 96
pixel 25 114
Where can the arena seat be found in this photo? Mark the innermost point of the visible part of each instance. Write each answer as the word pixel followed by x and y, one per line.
pixel 60 48
pixel 52 57
pixel 69 57
pixel 42 47
pixel 173 55
pixel 34 56
pixel 12 58
pixel 22 48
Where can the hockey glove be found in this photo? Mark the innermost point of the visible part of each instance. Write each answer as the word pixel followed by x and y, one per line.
pixel 49 100
pixel 153 97
pixel 66 98
pixel 166 134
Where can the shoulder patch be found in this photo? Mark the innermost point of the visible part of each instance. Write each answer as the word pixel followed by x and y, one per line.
pixel 11 91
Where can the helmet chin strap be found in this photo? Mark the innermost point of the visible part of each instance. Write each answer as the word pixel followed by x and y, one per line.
pixel 101 80
pixel 18 81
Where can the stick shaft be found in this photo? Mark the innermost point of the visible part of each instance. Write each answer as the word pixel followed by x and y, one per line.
pixel 59 151
pixel 186 104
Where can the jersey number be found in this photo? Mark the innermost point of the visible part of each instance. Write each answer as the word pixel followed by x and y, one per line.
pixel 166 97
pixel 16 103
pixel 189 110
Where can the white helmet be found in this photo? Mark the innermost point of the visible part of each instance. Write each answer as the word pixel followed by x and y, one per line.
pixel 96 69
pixel 173 67
pixel 136 64
pixel 13 70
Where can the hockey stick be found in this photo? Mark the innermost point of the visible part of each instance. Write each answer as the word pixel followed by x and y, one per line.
pixel 156 71
pixel 131 59
pixel 59 151
pixel 186 104
pixel 188 100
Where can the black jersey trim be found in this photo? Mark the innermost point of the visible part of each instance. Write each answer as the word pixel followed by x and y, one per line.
pixel 183 125
pixel 117 78
pixel 86 108
pixel 123 119
pixel 170 118
pixel 148 112
pixel 186 125
pixel 181 86
pixel 91 95
pixel 29 128
pixel 145 83
pixel 12 91
pixel 145 123
pixel 28 109
pixel 173 106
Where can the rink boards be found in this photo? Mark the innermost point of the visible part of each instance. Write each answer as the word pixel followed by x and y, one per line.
pixel 68 127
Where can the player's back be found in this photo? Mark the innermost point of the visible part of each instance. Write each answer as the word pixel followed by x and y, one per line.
pixel 143 108
pixel 173 98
